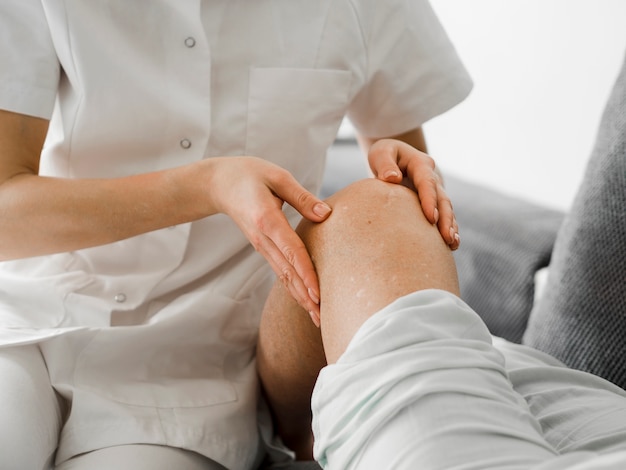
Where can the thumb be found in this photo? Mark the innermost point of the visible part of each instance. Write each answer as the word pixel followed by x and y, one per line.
pixel 383 160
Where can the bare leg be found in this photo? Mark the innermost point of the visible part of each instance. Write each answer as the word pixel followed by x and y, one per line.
pixel 375 247
pixel 289 358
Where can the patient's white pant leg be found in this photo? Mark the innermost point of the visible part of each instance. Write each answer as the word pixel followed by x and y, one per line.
pixel 421 386
pixel 30 411
pixel 576 410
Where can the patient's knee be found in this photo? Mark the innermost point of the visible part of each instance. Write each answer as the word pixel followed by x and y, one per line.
pixel 375 224
pixel 375 247
pixel 374 197
pixel 366 210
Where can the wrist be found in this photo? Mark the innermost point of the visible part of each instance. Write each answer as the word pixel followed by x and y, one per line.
pixel 191 188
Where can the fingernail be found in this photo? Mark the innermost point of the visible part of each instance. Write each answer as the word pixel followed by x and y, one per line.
pixel 314 296
pixel 457 238
pixel 322 210
pixel 391 174
pixel 316 318
pixel 452 233
pixel 436 215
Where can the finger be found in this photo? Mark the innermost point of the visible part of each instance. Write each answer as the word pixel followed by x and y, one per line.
pixel 457 242
pixel 457 237
pixel 290 260
pixel 447 224
pixel 288 276
pixel 287 188
pixel 428 190
pixel 421 170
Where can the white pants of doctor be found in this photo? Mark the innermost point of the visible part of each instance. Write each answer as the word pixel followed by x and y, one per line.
pixel 31 415
pixel 423 386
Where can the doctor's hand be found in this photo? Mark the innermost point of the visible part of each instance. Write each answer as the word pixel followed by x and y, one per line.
pixel 398 162
pixel 252 192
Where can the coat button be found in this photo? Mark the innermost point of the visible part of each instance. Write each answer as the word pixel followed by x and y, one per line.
pixel 190 42
pixel 120 298
pixel 185 143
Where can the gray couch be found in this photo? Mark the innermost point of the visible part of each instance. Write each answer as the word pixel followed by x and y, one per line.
pixel 581 316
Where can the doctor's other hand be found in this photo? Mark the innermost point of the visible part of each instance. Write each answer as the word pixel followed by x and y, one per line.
pixel 395 161
pixel 252 192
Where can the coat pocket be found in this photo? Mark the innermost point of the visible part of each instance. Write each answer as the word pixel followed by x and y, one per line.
pixel 294 114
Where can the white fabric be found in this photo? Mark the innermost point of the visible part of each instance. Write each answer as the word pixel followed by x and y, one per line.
pixel 152 338
pixel 34 414
pixel 422 386
pixel 31 413
pixel 140 457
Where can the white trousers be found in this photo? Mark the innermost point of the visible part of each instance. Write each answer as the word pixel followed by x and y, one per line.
pixel 423 385
pixel 31 420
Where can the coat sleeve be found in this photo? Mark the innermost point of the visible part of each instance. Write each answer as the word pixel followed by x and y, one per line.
pixel 414 72
pixel 29 68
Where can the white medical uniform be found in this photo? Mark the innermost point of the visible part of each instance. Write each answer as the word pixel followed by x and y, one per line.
pixel 153 338
pixel 424 385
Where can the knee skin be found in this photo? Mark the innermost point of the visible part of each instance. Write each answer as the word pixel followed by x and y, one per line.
pixel 375 247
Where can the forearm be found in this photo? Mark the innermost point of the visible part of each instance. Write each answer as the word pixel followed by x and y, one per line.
pixel 42 215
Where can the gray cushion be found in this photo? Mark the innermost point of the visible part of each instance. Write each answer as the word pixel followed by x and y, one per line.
pixel 504 241
pixel 582 318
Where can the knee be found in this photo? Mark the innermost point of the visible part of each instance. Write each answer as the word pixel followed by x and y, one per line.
pixel 375 223
pixel 369 200
pixel 375 247
pixel 369 210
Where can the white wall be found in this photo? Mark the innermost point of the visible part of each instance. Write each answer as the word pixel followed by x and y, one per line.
pixel 542 71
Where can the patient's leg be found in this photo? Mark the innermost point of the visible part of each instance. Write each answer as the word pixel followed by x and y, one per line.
pixel 375 247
